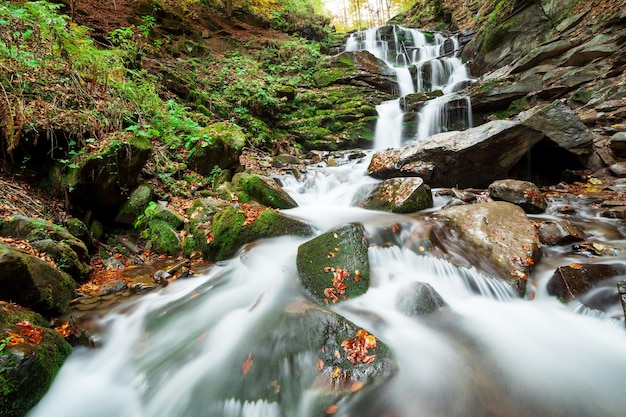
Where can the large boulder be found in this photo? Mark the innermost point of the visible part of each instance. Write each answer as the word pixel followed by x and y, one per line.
pixel 221 145
pixel 497 238
pixel 33 283
pixel 31 354
pixel 561 126
pixel 100 180
pixel 69 253
pixel 398 195
pixel 264 190
pixel 311 350
pixel 471 158
pixel 236 226
pixel 335 265
pixel 134 207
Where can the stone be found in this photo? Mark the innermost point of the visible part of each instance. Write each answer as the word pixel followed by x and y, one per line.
pixel 100 181
pixel 27 369
pixel 618 144
pixel 262 189
pixel 34 283
pixel 569 282
pixel 471 158
pixel 222 145
pixel 497 238
pixel 494 95
pixel 522 193
pixel 418 299
pixel 398 195
pixel 236 226
pixel 559 232
pixel 561 125
pixel 335 265
pixel 588 52
pixel 135 205
pixel 541 53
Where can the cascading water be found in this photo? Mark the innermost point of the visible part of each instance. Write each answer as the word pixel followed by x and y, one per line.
pixel 178 352
pixel 433 59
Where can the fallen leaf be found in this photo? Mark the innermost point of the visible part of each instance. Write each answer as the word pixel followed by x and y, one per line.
pixel 357 386
pixel 332 409
pixel 247 364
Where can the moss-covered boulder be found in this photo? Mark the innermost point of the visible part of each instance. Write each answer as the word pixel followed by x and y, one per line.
pixel 221 146
pixel 69 253
pixel 264 190
pixel 335 265
pixel 307 349
pixel 33 283
pixel 398 195
pixel 236 226
pixel 101 180
pixel 163 237
pixel 30 356
pixel 135 205
pixel 198 231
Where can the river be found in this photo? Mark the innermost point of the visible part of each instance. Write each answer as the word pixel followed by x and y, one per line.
pixel 486 353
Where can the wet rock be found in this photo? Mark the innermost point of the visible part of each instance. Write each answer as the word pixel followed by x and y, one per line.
pixel 471 158
pixel 522 193
pixel 100 180
pixel 572 281
pixel 27 368
pixel 596 249
pixel 398 195
pixel 323 360
pixel 335 265
pixel 236 226
pixel 418 299
pixel 559 232
pixel 497 238
pixel 135 205
pixel 262 189
pixel 617 212
pixel 621 289
pixel 33 283
pixel 222 149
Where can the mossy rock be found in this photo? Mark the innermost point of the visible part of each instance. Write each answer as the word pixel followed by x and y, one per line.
pixel 101 180
pixel 163 237
pixel 33 283
pixel 320 261
pixel 264 190
pixel 234 227
pixel 167 215
pixel 221 146
pixel 65 258
pixel 135 205
pixel 68 252
pixel 299 350
pixel 28 368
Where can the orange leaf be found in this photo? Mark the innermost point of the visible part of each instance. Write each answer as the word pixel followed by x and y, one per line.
pixel 332 409
pixel 247 364
pixel 357 386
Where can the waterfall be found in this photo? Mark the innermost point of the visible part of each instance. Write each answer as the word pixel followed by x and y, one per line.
pixel 177 352
pixel 433 58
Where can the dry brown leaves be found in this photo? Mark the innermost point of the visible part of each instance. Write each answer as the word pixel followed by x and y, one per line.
pixel 357 347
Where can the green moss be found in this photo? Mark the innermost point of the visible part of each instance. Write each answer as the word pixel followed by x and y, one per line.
pixel 328 76
pixel 343 247
pixel 266 192
pixel 163 237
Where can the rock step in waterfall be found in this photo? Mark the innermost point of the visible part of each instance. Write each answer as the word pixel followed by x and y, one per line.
pixel 429 75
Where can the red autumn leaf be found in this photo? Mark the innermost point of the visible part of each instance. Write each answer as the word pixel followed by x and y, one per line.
pixel 245 368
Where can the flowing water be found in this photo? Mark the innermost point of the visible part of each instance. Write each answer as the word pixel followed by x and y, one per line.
pixel 423 62
pixel 174 352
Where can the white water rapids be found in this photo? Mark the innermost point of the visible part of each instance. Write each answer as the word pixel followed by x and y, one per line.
pixel 486 354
